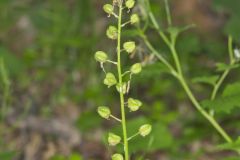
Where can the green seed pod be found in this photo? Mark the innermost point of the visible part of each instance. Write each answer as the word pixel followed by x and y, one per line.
pixel 108 8
pixel 122 88
pixel 112 32
pixel 104 112
pixel 101 56
pixel 134 104
pixel 113 139
pixel 136 68
pixel 144 130
pixel 110 80
pixel 117 157
pixel 129 46
pixel 134 19
pixel 130 4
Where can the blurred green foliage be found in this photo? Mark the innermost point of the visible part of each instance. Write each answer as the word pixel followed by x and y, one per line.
pixel 59 56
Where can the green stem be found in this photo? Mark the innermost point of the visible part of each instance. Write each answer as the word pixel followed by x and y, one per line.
pixel 176 58
pixel 136 134
pixel 226 72
pixel 189 92
pixel 169 18
pixel 158 55
pixel 202 111
pixel 219 83
pixel 124 127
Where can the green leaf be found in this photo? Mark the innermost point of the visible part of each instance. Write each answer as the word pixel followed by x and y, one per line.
pixel 206 79
pixel 232 89
pixel 223 66
pixel 230 146
pixel 227 102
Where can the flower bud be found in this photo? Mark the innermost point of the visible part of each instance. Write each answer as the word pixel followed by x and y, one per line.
pixel 108 8
pixel 134 104
pixel 129 46
pixel 113 139
pixel 136 68
pixel 122 88
pixel 104 112
pixel 130 4
pixel 112 32
pixel 117 157
pixel 134 19
pixel 110 80
pixel 101 56
pixel 144 130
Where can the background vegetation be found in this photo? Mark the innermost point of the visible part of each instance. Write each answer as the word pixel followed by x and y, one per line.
pixel 50 85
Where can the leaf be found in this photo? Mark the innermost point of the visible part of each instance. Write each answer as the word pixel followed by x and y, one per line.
pixel 223 66
pixel 211 80
pixel 232 89
pixel 229 100
pixel 230 146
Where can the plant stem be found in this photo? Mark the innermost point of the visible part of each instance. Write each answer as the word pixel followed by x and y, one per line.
pixel 124 127
pixel 169 18
pixel 181 79
pixel 219 83
pixel 158 55
pixel 226 72
pixel 202 111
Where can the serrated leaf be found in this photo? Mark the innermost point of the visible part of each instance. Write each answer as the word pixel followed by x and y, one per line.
pixel 223 66
pixel 229 100
pixel 232 89
pixel 230 146
pixel 206 79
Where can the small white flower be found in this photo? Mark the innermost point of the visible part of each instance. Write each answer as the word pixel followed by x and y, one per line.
pixel 237 53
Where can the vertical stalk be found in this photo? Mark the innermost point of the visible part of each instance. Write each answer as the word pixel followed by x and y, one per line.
pixel 124 127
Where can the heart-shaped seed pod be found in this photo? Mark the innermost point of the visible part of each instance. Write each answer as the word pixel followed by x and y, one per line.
pixel 108 8
pixel 101 56
pixel 134 104
pixel 110 80
pixel 129 46
pixel 145 130
pixel 113 139
pixel 130 4
pixel 112 32
pixel 117 157
pixel 134 19
pixel 136 68
pixel 104 112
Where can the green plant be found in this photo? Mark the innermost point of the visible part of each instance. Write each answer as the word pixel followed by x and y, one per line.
pixel 5 88
pixel 121 84
pixel 207 108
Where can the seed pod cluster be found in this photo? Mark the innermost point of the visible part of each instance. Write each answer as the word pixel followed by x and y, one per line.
pixel 113 32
